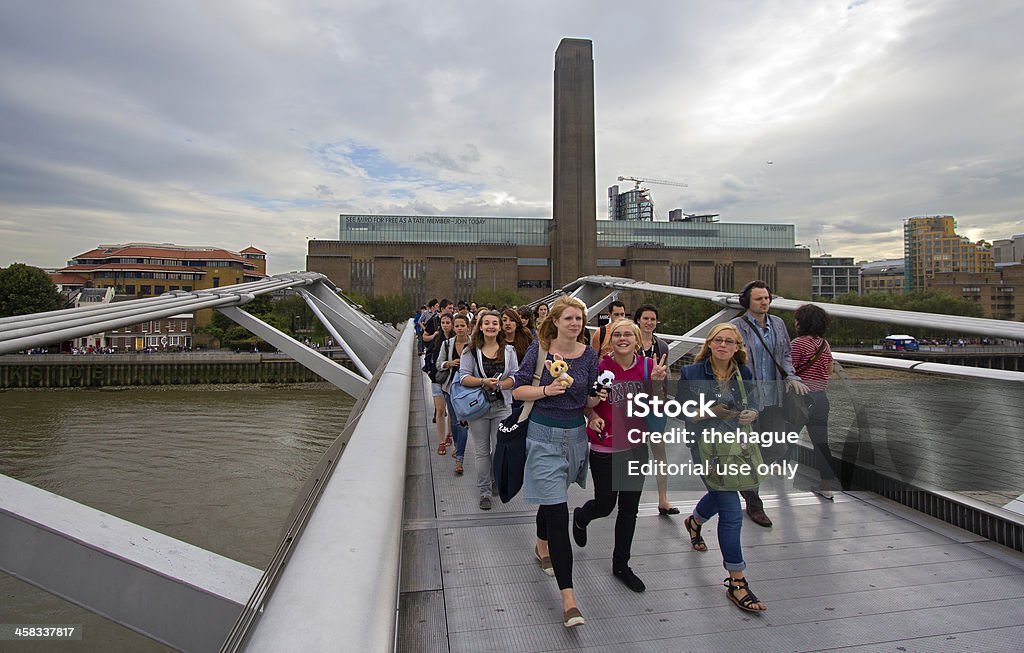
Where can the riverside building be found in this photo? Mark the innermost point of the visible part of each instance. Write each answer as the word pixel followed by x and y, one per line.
pixel 455 256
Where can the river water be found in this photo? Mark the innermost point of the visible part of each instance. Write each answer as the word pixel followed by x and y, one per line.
pixel 216 466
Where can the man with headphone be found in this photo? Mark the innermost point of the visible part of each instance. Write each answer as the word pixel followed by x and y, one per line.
pixel 770 358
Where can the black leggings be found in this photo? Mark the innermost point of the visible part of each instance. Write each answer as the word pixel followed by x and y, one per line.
pixel 553 527
pixel 610 481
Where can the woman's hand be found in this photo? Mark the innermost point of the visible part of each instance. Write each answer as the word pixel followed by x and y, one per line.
pixel 596 424
pixel 554 389
pixel 660 370
pixel 747 417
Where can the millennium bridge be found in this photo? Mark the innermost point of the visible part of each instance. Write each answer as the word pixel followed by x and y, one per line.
pixel 386 550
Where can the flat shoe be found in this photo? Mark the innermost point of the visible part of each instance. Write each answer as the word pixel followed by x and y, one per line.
pixel 579 533
pixel 825 494
pixel 760 518
pixel 665 512
pixel 572 617
pixel 545 563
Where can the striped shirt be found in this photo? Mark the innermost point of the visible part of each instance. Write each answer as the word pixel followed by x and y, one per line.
pixel 815 376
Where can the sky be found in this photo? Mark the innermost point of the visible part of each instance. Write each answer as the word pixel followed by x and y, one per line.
pixel 257 122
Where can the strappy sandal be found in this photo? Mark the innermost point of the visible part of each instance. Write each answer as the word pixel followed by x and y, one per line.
pixel 733 585
pixel 693 529
pixel 440 449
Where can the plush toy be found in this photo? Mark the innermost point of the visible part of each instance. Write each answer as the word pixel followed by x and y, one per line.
pixel 559 370
pixel 604 381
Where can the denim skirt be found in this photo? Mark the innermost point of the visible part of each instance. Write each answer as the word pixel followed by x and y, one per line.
pixel 555 458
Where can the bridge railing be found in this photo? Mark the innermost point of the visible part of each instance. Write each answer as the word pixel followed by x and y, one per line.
pixel 942 438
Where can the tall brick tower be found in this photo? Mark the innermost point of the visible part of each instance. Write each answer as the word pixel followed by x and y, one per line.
pixel 574 234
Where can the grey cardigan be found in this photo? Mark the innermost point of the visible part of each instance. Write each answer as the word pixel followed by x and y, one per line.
pixel 783 354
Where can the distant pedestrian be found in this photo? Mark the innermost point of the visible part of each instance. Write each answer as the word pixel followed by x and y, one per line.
pixel 812 358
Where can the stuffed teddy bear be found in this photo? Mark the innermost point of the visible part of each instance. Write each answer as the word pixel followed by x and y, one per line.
pixel 604 382
pixel 559 370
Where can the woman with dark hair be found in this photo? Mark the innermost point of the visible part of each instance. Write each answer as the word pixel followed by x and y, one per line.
pixel 490 364
pixel 720 372
pixel 436 391
pixel 556 442
pixel 542 312
pixel 526 317
pixel 515 333
pixel 653 347
pixel 812 359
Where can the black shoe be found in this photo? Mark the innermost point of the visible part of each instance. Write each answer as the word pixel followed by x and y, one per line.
pixel 579 533
pixel 485 503
pixel 665 512
pixel 629 579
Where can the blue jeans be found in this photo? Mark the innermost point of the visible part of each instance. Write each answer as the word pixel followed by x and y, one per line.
pixel 730 520
pixel 817 429
pixel 459 433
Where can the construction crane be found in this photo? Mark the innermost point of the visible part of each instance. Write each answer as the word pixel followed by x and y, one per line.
pixel 642 180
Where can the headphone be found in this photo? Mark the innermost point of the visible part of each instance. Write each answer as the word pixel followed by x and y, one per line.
pixel 747 289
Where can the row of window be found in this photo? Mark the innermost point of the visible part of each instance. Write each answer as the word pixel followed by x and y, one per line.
pixel 154 326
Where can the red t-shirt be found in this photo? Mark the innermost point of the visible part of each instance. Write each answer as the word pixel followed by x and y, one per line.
pixel 816 375
pixel 617 423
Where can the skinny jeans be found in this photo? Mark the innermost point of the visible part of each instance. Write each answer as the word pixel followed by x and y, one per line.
pixel 484 433
pixel 730 520
pixel 817 429
pixel 459 433
pixel 612 484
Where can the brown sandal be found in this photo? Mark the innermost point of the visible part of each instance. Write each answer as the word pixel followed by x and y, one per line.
pixel 693 529
pixel 440 449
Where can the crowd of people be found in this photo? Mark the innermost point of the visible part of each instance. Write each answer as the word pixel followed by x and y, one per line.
pixel 578 386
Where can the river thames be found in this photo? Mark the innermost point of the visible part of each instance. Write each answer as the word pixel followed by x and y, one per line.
pixel 216 466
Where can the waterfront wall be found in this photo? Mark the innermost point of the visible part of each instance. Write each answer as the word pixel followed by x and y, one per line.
pixel 92 371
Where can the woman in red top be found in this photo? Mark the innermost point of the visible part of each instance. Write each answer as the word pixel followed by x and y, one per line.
pixel 812 359
pixel 611 451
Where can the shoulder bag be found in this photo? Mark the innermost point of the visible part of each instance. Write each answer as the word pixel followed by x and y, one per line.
pixel 509 463
pixel 470 404
pixel 723 459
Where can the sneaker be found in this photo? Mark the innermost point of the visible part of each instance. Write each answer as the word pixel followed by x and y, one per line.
pixel 545 562
pixel 458 467
pixel 485 503
pixel 572 617
pixel 629 579
pixel 579 533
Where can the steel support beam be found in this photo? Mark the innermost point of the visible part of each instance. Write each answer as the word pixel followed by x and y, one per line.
pixel 340 377
pixel 171 591
pixel 318 309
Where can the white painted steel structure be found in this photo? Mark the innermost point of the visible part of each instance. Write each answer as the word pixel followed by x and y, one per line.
pixel 334 583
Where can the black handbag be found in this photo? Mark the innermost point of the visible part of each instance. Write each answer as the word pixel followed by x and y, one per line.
pixel 509 462
pixel 441 375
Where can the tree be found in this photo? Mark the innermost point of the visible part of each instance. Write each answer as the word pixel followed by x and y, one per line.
pixel 25 289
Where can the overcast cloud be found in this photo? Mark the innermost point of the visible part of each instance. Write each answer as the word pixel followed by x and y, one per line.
pixel 237 123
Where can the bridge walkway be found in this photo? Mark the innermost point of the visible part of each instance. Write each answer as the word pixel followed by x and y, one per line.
pixel 860 574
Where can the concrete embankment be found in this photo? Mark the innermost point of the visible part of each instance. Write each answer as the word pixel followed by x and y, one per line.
pixel 102 370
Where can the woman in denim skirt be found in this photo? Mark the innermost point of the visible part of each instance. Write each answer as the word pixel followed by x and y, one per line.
pixel 556 442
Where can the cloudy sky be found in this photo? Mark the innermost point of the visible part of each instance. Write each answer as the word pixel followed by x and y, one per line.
pixel 256 122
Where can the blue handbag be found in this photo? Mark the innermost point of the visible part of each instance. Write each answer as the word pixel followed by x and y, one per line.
pixel 469 403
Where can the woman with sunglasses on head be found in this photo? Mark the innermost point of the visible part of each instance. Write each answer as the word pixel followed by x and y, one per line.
pixel 440 406
pixel 556 442
pixel 611 451
pixel 720 372
pixel 488 363
pixel 450 359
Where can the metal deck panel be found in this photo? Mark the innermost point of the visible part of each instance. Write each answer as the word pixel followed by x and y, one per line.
pixel 859 574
